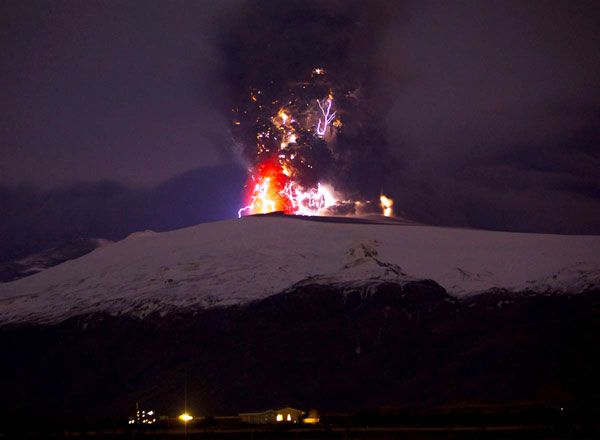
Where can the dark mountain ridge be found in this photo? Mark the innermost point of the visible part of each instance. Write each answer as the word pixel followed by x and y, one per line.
pixel 409 346
pixel 32 264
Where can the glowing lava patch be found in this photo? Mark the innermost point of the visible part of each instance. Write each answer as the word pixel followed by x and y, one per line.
pixel 270 189
pixel 266 186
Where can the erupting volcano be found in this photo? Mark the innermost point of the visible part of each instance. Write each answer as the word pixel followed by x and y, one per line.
pixel 272 190
pixel 295 137
pixel 308 106
pixel 291 133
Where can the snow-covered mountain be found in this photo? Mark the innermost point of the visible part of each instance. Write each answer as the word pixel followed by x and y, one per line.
pixel 239 261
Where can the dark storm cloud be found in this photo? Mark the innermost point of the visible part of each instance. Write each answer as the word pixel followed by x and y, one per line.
pixel 548 185
pixel 273 46
pixel 117 90
pixel 34 220
pixel 274 42
pixel 495 114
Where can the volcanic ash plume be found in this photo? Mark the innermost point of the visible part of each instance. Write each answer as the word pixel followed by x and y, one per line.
pixel 306 115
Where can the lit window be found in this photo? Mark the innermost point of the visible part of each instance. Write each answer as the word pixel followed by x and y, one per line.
pixel 280 417
pixel 289 418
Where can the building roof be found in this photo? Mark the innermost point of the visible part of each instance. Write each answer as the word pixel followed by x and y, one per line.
pixel 272 411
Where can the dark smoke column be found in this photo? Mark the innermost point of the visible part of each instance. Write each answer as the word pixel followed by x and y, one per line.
pixel 296 57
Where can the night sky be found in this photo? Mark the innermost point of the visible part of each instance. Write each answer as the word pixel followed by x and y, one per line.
pixel 113 115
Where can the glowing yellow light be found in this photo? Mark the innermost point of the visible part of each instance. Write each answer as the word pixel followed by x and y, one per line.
pixel 386 205
pixel 312 418
pixel 337 123
pixel 185 417
pixel 283 116
pixel 319 71
pixel 279 417
pixel 253 97
pixel 289 418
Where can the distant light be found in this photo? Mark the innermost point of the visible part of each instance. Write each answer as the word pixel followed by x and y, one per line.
pixel 386 205
pixel 185 417
pixel 289 417
pixel 279 417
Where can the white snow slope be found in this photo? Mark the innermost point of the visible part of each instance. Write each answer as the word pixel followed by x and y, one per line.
pixel 237 261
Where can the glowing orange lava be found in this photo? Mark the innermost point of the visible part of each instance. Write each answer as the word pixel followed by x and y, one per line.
pixel 266 190
pixel 271 189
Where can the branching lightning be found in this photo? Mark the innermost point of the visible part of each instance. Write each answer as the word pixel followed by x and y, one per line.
pixel 287 143
pixel 327 117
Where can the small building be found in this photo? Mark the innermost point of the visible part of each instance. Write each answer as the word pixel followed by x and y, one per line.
pixel 312 418
pixel 282 415
pixel 143 417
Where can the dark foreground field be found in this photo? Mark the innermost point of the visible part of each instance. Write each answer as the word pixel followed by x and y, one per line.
pixel 382 433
